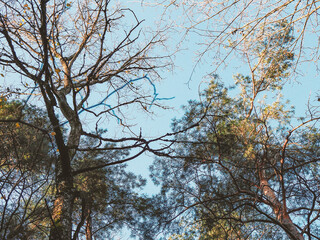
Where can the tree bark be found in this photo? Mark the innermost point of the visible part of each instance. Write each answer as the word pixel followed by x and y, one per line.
pixel 63 205
pixel 279 210
pixel 62 213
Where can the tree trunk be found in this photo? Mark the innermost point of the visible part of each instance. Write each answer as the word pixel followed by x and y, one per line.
pixel 61 228
pixel 279 210
pixel 63 205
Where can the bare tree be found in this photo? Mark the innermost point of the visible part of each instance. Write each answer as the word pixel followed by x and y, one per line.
pixel 79 58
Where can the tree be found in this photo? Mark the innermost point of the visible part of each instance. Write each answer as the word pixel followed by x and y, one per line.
pixel 67 54
pixel 26 174
pixel 225 27
pixel 109 201
pixel 27 179
pixel 245 172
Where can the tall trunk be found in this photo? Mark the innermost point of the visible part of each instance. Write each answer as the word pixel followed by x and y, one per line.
pixel 61 228
pixel 63 205
pixel 279 209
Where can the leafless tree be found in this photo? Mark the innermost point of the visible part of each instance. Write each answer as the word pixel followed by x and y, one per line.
pixel 80 60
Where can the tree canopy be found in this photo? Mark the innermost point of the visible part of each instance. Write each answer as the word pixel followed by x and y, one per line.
pixel 249 170
pixel 78 76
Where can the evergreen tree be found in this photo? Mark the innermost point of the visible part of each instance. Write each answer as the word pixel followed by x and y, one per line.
pixel 105 198
pixel 244 172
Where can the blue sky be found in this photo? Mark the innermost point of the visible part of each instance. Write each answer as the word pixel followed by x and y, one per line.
pixel 178 84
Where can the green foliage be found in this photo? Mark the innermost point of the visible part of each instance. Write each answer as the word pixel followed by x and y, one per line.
pixel 272 62
pixel 26 174
pixel 27 179
pixel 27 146
pixel 217 174
pixel 111 193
